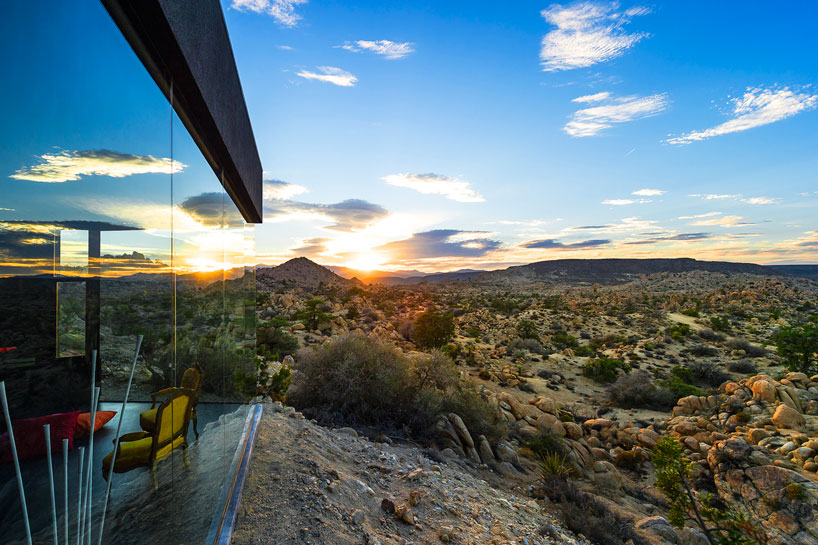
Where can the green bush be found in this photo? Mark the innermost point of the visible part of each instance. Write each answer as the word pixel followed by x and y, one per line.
pixel 680 388
pixel 433 329
pixel 797 345
pixel 678 332
pixel 604 369
pixel 693 313
pixel 546 444
pixel 527 329
pixel 361 380
pixel 636 390
pixel 564 340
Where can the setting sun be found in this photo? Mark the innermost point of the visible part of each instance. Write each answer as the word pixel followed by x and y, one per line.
pixel 365 262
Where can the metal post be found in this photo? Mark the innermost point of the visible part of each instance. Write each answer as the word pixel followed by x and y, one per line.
pixel 47 433
pixel 116 441
pixel 16 460
pixel 87 479
pixel 89 488
pixel 81 452
pixel 65 471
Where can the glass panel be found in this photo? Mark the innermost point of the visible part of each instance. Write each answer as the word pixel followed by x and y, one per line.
pixel 70 319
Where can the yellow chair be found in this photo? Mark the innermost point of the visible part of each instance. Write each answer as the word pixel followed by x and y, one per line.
pixel 191 380
pixel 141 449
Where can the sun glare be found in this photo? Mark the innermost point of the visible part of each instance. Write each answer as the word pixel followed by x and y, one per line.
pixel 365 262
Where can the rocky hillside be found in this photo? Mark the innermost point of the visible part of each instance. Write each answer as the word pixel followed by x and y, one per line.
pixel 303 273
pixel 610 271
pixel 309 484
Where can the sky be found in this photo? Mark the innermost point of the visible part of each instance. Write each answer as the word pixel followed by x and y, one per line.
pixel 423 135
pixel 447 135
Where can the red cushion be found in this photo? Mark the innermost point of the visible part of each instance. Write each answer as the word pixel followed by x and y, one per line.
pixel 83 428
pixel 30 438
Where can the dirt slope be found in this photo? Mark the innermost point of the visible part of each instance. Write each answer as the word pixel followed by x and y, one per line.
pixel 312 485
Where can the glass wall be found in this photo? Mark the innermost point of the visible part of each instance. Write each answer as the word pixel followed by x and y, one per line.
pixel 112 227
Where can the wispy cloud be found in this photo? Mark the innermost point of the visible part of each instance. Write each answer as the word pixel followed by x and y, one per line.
pixel 553 244
pixel 705 215
pixel 285 47
pixel 625 202
pixel 436 184
pixel 713 197
pixel 591 121
pixel 761 200
pixel 330 74
pixel 648 192
pixel 385 48
pixel 442 243
pixel 755 108
pixel 2 209
pixel 680 237
pixel 282 11
pixel 722 221
pixel 596 97
pixel 587 33
pixel 737 197
pixel 65 166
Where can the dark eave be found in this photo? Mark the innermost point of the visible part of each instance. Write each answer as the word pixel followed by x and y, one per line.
pixel 186 42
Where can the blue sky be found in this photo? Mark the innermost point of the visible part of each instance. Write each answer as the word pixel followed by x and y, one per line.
pixel 431 135
pixel 470 134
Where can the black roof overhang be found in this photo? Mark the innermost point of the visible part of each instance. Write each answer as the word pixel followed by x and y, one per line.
pixel 186 43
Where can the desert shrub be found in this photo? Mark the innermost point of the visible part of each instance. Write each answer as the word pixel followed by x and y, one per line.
pixel 710 335
pixel 637 390
pixel 527 329
pixel 405 328
pixel 564 340
pixel 272 341
pixel 314 313
pixel 532 345
pixel 678 332
pixel 353 313
pixel 745 366
pixel 797 346
pixel 692 312
pixel 280 383
pixel 680 388
pixel 629 459
pixel 707 372
pixel 673 477
pixel 583 513
pixel 720 323
pixel 361 380
pixel 703 351
pixel 546 444
pixel 473 332
pixel 604 369
pixel 584 350
pixel 555 465
pixel 752 350
pixel 433 329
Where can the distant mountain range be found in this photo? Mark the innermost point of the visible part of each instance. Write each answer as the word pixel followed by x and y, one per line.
pixel 306 273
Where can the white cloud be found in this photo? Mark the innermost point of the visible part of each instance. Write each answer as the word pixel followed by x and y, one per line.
pixel 712 197
pixel 64 166
pixel 587 33
pixel 723 221
pixel 648 192
pixel 285 47
pixel 591 121
pixel 755 108
pixel 330 74
pixel 282 11
pixel 278 190
pixel 706 215
pixel 6 209
pixel 596 97
pixel 623 202
pixel 436 184
pixel 386 48
pixel 760 200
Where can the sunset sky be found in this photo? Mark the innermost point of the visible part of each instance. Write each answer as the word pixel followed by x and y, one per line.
pixel 427 135
pixel 442 135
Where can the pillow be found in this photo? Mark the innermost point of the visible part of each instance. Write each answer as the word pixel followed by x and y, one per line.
pixel 30 438
pixel 83 428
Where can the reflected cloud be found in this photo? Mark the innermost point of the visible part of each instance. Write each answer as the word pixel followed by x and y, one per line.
pixel 65 166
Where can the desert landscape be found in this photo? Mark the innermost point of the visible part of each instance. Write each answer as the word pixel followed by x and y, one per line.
pixel 564 388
